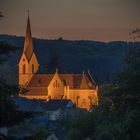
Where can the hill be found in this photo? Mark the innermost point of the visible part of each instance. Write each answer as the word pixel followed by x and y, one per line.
pixel 103 59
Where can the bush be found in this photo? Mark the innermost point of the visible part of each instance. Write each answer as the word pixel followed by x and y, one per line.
pixel 74 134
pixel 105 136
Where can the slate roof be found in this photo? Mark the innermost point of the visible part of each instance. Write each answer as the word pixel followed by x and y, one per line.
pixel 56 104
pixel 72 80
pixel 40 80
pixel 37 91
pixel 27 105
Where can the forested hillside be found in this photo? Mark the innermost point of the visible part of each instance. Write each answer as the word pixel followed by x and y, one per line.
pixel 101 58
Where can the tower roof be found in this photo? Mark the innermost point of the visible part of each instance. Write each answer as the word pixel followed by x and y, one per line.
pixel 28 45
pixel 84 82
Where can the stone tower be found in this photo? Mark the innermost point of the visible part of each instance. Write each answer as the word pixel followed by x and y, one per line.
pixel 28 64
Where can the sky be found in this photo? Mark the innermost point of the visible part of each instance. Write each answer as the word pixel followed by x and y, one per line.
pixel 102 20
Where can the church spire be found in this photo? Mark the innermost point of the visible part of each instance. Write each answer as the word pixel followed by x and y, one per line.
pixel 28 45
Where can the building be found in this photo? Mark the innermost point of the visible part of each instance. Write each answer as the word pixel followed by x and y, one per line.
pixel 79 88
pixel 27 105
pixel 55 107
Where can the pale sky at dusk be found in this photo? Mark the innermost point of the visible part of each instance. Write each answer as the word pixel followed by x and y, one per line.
pixel 103 20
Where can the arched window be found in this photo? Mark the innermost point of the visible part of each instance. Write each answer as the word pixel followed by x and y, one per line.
pixel 32 68
pixel 90 100
pixel 24 69
pixel 77 100
pixel 56 83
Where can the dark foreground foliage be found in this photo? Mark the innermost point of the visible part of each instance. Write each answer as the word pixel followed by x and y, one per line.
pixel 118 115
pixel 8 113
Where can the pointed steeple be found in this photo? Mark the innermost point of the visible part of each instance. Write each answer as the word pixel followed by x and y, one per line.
pixel 28 45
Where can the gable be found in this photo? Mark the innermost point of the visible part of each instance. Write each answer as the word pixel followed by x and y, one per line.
pixel 70 104
pixel 84 83
pixel 76 81
pixel 33 59
pixel 23 59
pixel 56 81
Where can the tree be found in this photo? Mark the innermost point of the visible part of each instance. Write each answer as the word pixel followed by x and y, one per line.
pixel 6 50
pixel 1 15
pixel 117 116
pixel 7 106
pixel 8 112
pixel 124 94
pixel 55 64
pixel 126 88
pixel 60 39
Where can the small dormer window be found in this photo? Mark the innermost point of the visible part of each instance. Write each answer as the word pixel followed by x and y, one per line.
pixel 23 60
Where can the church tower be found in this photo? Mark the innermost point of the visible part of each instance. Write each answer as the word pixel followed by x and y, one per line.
pixel 28 64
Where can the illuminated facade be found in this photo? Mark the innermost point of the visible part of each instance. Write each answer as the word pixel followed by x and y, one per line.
pixel 79 88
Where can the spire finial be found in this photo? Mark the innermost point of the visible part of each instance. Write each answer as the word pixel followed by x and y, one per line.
pixel 56 70
pixel 83 72
pixel 28 12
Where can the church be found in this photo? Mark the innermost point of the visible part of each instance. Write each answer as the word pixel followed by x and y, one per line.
pixel 81 89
